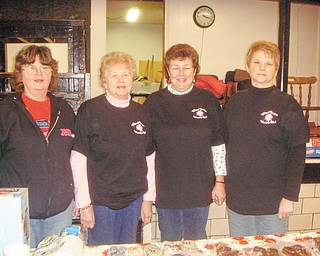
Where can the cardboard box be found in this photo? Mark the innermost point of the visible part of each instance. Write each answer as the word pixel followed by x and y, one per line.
pixel 14 217
pixel 312 152
pixel 313 148
pixel 315 141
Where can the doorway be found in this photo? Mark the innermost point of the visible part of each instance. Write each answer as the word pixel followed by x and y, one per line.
pixel 142 39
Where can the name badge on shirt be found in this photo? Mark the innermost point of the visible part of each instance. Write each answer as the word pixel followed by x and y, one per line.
pixel 43 124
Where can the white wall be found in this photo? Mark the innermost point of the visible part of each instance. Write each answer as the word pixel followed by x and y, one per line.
pixel 304 40
pixel 139 40
pixel 97 42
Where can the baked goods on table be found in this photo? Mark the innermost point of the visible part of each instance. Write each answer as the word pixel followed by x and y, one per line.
pixel 224 250
pixel 296 244
pixel 316 241
pixel 263 251
pixel 296 250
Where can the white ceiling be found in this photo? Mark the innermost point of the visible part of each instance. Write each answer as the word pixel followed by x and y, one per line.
pixel 151 12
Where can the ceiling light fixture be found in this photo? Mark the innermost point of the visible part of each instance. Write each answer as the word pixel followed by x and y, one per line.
pixel 133 14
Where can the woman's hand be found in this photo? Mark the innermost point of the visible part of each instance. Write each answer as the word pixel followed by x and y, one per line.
pixel 219 193
pixel 146 212
pixel 75 211
pixel 285 208
pixel 87 217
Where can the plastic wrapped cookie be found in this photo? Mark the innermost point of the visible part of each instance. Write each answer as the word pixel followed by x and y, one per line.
pixel 135 251
pixel 152 249
pixel 117 251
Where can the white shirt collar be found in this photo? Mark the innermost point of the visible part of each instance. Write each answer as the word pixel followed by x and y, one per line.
pixel 170 89
pixel 118 103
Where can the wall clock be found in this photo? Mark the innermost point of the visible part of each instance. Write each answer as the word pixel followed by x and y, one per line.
pixel 204 16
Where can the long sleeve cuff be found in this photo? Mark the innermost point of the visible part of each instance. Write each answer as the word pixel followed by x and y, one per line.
pixel 81 186
pixel 294 172
pixel 150 195
pixel 219 159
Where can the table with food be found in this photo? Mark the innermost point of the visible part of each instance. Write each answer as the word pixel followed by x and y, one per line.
pixel 72 242
pixel 288 244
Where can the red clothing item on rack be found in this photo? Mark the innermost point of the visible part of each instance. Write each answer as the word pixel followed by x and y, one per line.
pixel 211 84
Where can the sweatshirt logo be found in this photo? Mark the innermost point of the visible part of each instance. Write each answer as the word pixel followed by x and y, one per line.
pixel 66 133
pixel 268 117
pixel 199 113
pixel 138 127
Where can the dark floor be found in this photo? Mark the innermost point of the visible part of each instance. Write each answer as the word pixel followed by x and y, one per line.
pixel 311 173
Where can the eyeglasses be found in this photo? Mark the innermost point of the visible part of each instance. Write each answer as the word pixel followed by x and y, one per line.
pixel 33 70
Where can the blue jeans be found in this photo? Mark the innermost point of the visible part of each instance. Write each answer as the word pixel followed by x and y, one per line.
pixel 252 225
pixel 178 224
pixel 41 228
pixel 115 226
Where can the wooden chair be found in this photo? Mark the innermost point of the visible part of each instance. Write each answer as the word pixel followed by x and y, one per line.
pixel 233 80
pixel 301 82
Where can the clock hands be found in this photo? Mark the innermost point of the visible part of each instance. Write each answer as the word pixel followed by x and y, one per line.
pixel 205 15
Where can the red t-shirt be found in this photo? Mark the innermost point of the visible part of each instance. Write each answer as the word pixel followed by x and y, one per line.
pixel 40 111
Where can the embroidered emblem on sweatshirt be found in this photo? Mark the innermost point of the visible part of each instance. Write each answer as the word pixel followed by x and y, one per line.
pixel 138 127
pixel 199 113
pixel 268 117
pixel 66 133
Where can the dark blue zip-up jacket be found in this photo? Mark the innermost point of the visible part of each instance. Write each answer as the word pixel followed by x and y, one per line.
pixel 27 159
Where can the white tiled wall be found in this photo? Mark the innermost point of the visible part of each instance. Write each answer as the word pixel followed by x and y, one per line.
pixel 306 216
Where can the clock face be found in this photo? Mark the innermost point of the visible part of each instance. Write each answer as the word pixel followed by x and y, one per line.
pixel 204 16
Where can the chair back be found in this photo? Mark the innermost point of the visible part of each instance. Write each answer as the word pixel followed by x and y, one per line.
pixel 300 82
